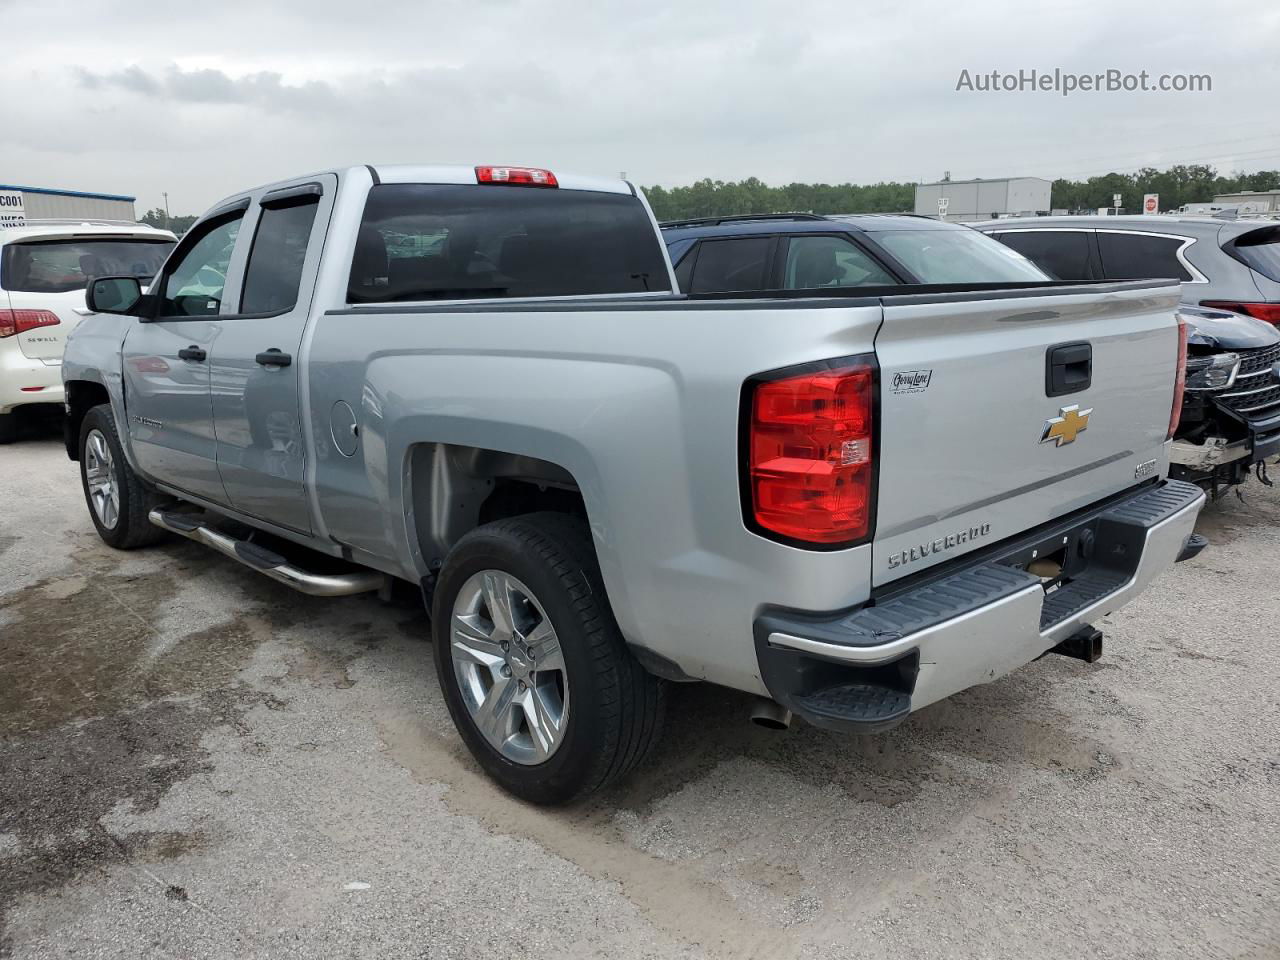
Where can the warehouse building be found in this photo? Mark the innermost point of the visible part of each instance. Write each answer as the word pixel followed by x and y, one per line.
pixel 1253 201
pixel 45 203
pixel 965 200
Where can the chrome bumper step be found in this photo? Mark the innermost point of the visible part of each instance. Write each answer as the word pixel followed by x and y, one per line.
pixel 267 562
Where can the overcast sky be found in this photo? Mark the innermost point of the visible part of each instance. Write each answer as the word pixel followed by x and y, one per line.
pixel 202 99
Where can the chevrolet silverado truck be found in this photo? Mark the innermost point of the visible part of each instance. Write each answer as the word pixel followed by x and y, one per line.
pixel 482 381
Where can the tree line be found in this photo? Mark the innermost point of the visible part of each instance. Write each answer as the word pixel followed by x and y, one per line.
pixel 1177 185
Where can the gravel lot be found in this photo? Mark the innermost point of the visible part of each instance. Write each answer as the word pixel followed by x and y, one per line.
pixel 195 762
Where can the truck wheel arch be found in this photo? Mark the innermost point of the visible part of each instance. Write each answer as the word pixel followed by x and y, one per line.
pixel 455 488
pixel 81 397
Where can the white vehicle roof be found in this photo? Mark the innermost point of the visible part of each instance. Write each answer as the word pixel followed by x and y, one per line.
pixel 54 229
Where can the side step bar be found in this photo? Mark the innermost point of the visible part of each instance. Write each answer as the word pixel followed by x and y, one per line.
pixel 266 562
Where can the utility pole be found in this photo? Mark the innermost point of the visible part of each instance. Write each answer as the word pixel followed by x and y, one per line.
pixel 166 209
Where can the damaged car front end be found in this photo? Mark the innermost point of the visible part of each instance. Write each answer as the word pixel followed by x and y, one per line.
pixel 1230 422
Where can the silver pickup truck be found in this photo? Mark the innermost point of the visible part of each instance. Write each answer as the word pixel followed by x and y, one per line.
pixel 850 502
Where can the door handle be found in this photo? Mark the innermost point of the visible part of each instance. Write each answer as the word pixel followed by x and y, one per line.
pixel 192 353
pixel 274 358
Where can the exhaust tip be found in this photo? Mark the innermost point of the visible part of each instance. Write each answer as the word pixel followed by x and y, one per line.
pixel 770 715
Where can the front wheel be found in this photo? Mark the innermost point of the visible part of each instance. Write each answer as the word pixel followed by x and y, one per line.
pixel 537 677
pixel 118 502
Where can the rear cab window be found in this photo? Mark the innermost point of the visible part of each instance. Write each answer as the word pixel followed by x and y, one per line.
pixel 65 265
pixel 461 241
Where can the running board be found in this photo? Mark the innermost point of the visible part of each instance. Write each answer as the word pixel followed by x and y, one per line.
pixel 265 561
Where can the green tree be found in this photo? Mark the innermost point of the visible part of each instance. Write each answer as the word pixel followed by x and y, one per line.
pixel 1177 185
pixel 157 218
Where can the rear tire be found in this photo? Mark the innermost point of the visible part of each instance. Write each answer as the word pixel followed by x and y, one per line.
pixel 117 500
pixel 10 429
pixel 610 709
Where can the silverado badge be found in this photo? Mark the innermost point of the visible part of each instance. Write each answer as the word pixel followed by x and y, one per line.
pixel 1066 426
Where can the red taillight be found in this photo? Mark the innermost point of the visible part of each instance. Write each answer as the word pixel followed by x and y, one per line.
pixel 1269 312
pixel 517 176
pixel 13 322
pixel 1179 379
pixel 810 457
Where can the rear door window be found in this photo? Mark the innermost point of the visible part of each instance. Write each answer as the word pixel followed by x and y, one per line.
pixel 456 241
pixel 61 266
pixel 1136 256
pixel 1260 249
pixel 830 261
pixel 740 263
pixel 274 272
pixel 1063 254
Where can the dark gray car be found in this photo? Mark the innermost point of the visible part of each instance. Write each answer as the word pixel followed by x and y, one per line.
pixel 1231 264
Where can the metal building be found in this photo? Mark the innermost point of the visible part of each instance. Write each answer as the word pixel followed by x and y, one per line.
pixel 1251 201
pixel 19 203
pixel 984 199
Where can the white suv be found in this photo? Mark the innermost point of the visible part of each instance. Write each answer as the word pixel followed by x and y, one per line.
pixel 43 268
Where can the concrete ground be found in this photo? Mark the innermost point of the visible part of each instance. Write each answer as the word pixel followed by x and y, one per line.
pixel 195 762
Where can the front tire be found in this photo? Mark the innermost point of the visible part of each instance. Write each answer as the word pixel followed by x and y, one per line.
pixel 117 500
pixel 535 672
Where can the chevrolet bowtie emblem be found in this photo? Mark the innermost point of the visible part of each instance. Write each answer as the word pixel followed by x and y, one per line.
pixel 1066 426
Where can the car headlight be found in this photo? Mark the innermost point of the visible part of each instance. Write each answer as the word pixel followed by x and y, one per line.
pixel 1212 373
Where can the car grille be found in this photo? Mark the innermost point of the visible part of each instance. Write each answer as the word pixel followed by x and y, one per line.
pixel 1256 393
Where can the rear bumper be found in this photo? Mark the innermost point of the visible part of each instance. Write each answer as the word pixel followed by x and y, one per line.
pixel 975 622
pixel 18 372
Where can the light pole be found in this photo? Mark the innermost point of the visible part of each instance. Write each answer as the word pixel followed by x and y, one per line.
pixel 166 209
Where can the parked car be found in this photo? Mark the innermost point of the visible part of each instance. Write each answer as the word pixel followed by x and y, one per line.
pixel 43 268
pixel 799 251
pixel 481 381
pixel 1230 275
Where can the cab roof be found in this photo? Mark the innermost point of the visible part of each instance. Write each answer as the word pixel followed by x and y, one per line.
pixel 431 173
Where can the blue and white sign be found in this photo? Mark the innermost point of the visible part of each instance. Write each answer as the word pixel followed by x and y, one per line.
pixel 12 213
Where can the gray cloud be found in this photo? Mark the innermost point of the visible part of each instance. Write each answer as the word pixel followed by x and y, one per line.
pixel 265 89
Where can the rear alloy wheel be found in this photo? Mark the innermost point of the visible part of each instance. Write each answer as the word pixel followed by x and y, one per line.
pixel 509 667
pixel 536 674
pixel 117 499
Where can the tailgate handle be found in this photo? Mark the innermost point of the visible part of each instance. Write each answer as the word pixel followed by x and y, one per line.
pixel 1068 369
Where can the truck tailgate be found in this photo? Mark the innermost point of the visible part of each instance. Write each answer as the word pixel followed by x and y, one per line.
pixel 973 448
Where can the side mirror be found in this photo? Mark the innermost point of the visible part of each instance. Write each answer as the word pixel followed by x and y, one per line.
pixel 113 295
